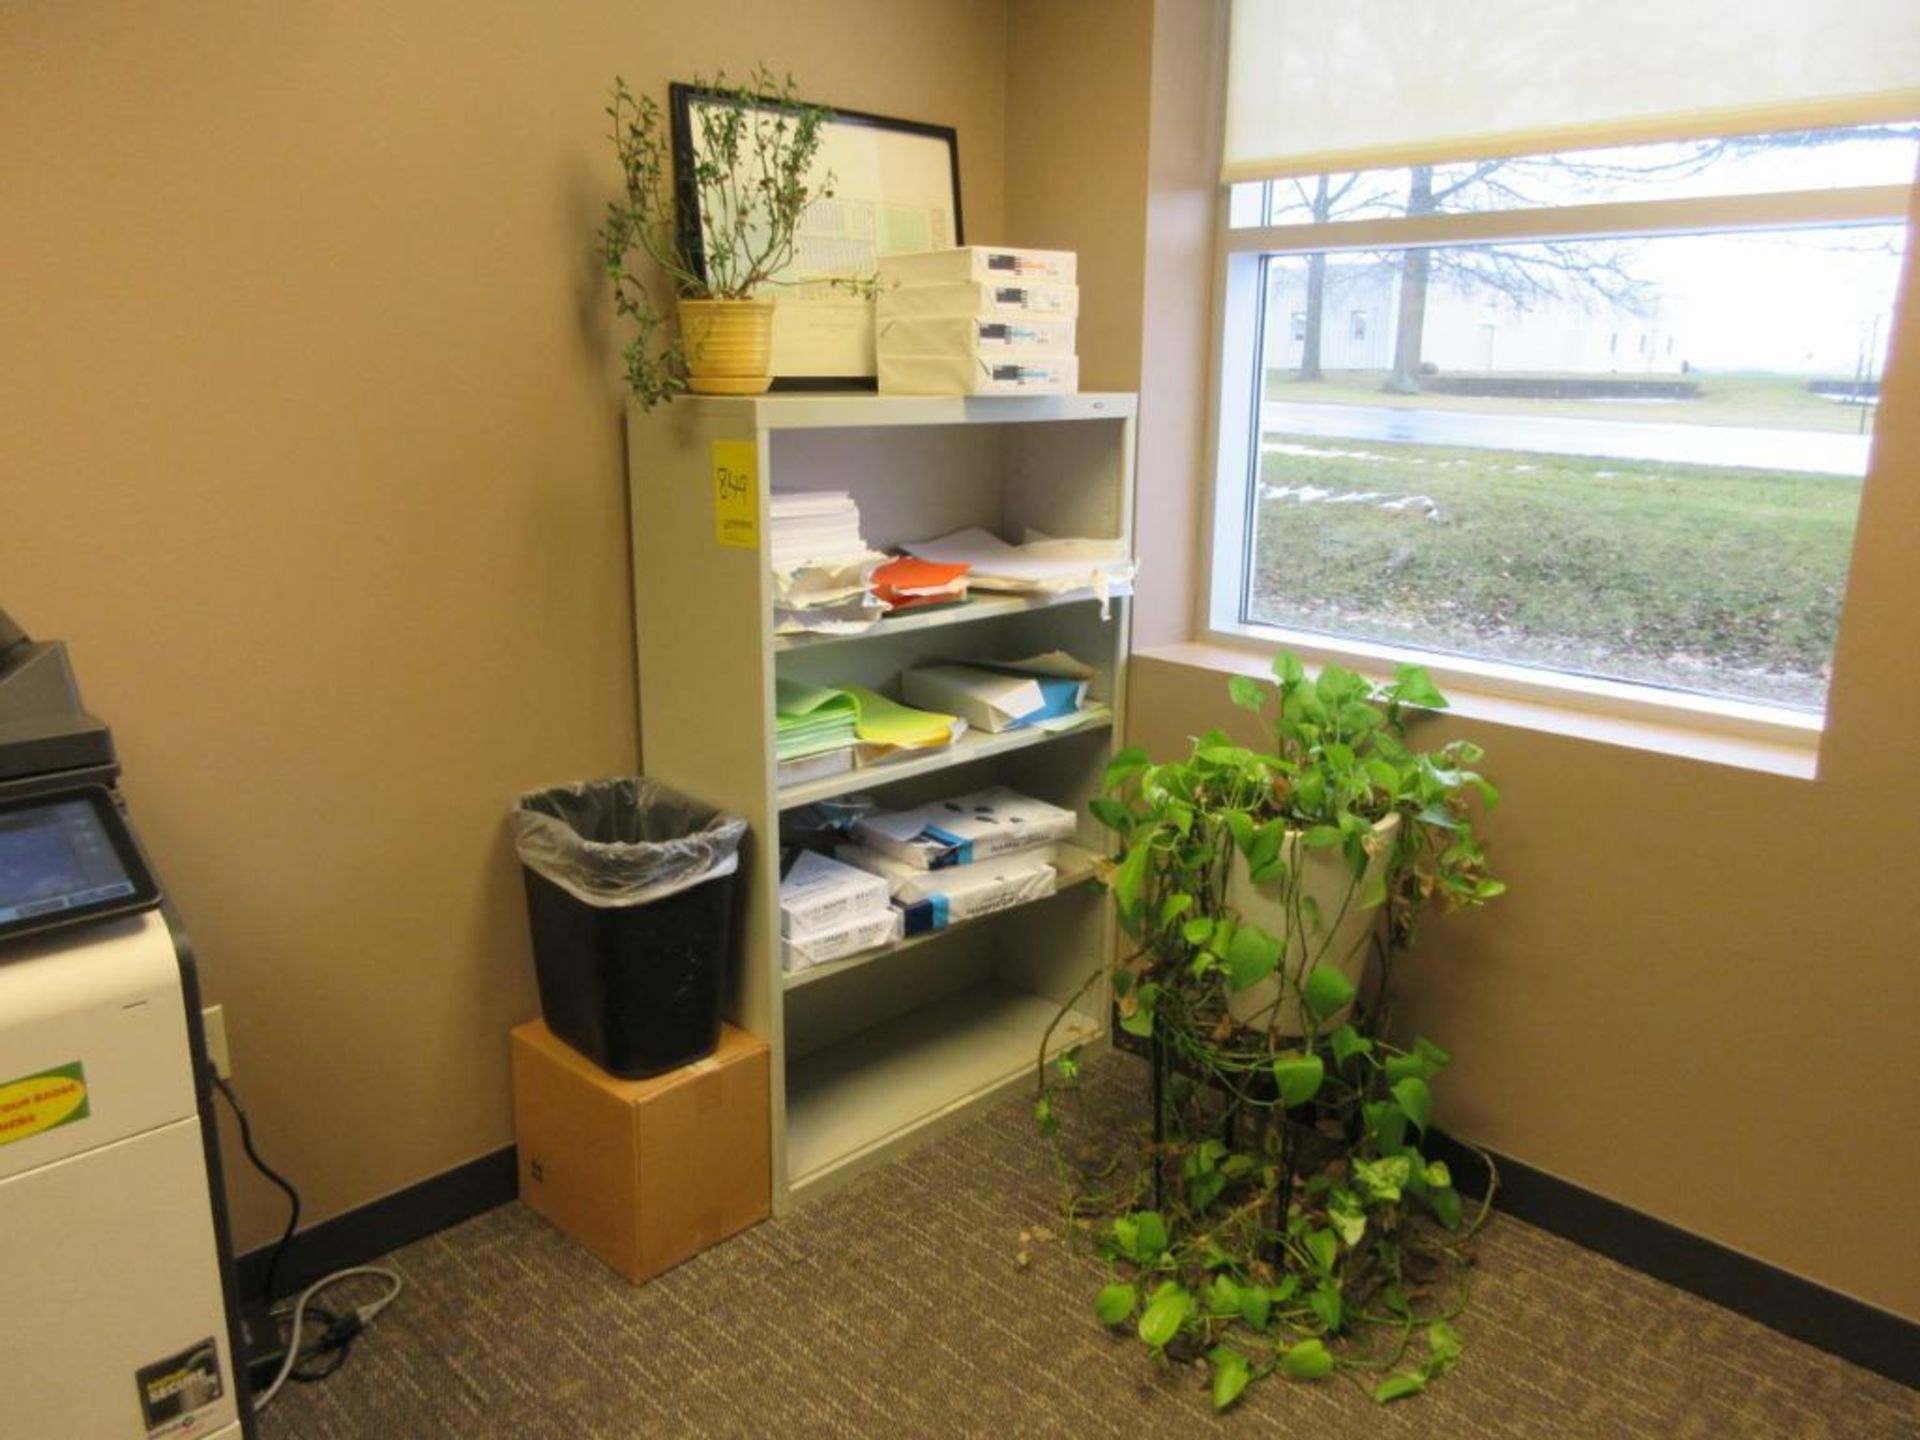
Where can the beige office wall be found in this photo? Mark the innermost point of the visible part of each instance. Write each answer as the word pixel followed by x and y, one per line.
pixel 1701 996
pixel 1113 151
pixel 311 450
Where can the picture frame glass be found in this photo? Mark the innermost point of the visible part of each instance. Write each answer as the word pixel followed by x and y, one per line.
pixel 894 187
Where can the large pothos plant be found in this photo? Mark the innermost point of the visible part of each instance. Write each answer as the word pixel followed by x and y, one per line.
pixel 1278 1211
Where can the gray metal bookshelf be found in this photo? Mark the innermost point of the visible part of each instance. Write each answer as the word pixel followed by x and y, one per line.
pixel 878 1052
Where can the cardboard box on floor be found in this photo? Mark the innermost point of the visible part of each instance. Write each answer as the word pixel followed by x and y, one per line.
pixel 644 1173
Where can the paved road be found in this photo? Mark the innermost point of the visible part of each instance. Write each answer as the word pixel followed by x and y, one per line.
pixel 1823 454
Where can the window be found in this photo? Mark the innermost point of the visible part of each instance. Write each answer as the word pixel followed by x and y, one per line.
pixel 1496 477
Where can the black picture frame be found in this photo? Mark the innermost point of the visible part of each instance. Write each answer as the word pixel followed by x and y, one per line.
pixel 823 340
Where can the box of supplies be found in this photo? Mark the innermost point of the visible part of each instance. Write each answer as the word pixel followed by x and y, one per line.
pixel 976 263
pixel 1001 299
pixel 988 335
pixel 978 374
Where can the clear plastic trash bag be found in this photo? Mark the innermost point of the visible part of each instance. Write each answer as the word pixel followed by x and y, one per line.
pixel 625 841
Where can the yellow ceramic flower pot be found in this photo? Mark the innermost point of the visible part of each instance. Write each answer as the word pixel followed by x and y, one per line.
pixel 728 344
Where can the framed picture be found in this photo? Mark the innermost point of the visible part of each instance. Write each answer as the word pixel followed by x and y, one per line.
pixel 896 188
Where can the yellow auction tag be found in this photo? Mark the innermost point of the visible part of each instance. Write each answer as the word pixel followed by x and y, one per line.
pixel 35 1104
pixel 736 493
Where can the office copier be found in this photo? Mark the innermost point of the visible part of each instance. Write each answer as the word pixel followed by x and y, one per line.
pixel 118 1308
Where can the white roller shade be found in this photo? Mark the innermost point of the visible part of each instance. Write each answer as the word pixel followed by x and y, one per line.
pixel 1317 85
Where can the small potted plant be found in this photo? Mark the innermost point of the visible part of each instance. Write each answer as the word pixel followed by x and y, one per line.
pixel 714 236
pixel 1281 1210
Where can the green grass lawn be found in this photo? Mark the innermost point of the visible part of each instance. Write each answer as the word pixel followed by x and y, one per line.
pixel 1723 581
pixel 1768 402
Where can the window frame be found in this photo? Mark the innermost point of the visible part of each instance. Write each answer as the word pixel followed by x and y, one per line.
pixel 1239 320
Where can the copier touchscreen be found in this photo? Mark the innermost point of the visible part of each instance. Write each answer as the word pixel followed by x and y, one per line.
pixel 65 858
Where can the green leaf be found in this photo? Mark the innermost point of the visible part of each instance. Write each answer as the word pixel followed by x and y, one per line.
pixel 1255 1306
pixel 1309 1360
pixel 1412 685
pixel 1043 1116
pixel 1437 1173
pixel 1246 692
pixel 1347 1042
pixel 1324 1249
pixel 1250 957
pixel 1321 837
pixel 1298 1078
pixel 1115 1304
pixel 1230 1375
pixel 1445 1202
pixel 1444 1346
pixel 1266 844
pixel 1240 826
pixel 1326 1306
pixel 1326 992
pixel 1130 761
pixel 1346 1216
pixel 1399 1387
pixel 1415 1100
pixel 1223 1296
pixel 1387 1124
pixel 1142 1235
pixel 1384 1178
pixel 1132 873
pixel 1173 907
pixel 1287 668
pixel 1169 1309
pixel 1401 1067
pixel 1196 930
pixel 1431 1053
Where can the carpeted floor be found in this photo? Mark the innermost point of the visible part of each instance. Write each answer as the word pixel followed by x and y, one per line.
pixel 896 1308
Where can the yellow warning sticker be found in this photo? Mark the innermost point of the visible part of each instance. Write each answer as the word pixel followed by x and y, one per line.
pixel 736 493
pixel 37 1103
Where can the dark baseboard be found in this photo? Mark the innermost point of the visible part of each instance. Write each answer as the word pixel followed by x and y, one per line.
pixel 1857 1332
pixel 1870 1337
pixel 386 1224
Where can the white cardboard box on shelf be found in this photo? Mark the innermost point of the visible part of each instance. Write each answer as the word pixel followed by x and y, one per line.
pixel 989 700
pixel 990 335
pixel 818 894
pixel 962 892
pixel 849 937
pixel 978 374
pixel 976 262
pixel 1000 298
pixel 978 826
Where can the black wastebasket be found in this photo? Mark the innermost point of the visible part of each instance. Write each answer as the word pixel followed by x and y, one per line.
pixel 630 895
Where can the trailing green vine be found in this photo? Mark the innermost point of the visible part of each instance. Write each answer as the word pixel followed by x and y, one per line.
pixel 1278 1213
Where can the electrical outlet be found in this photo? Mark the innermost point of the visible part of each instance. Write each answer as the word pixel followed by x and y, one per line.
pixel 214 1022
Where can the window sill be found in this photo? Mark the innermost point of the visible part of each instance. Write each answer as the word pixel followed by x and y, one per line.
pixel 1745 737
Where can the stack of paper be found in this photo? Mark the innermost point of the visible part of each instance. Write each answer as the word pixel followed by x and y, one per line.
pixel 934 899
pixel 829 910
pixel 821 730
pixel 814 730
pixel 1003 695
pixel 976 320
pixel 968 828
pixel 908 583
pixel 822 567
pixel 1043 566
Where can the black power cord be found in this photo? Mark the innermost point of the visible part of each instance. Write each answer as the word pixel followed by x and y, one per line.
pixel 286 1186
